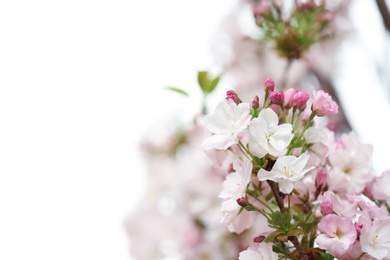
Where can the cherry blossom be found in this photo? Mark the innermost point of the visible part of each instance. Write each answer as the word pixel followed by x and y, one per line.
pixel 337 234
pixel 235 184
pixel 375 237
pixel 262 252
pixel 226 123
pixel 286 171
pixel 268 136
pixel 323 104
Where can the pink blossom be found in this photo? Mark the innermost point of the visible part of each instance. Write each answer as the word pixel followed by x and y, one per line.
pixel 323 104
pixel 351 165
pixel 380 187
pixel 337 234
pixel 341 207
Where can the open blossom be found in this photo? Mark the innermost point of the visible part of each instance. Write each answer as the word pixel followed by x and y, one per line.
pixel 323 104
pixel 226 123
pixel 338 233
pixel 267 136
pixel 350 164
pixel 286 171
pixel 380 186
pixel 318 149
pixel 345 208
pixel 262 252
pixel 375 237
pixel 235 184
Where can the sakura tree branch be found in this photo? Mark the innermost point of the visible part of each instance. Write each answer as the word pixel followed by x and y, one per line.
pixel 298 246
pixel 385 13
pixel 275 191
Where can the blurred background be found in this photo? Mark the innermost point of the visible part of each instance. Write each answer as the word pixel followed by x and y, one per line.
pixel 82 82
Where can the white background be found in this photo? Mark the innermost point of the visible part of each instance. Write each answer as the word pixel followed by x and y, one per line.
pixel 80 83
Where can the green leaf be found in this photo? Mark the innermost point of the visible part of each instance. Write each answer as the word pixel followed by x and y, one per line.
pixel 178 90
pixel 272 236
pixel 206 82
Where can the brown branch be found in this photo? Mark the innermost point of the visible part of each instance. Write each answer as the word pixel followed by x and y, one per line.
pixel 298 246
pixel 275 191
pixel 385 13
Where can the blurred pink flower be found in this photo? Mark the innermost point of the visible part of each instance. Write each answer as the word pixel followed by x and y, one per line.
pixel 323 104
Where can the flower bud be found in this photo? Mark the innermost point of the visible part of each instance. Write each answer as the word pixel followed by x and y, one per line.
pixel 269 84
pixel 358 227
pixel 241 202
pixel 287 97
pixel 300 99
pixel 326 207
pixel 230 94
pixel 323 104
pixel 255 102
pixel 276 97
pixel 259 239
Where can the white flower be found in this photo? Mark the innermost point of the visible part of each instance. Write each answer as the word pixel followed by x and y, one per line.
pixel 262 252
pixel 235 185
pixel 286 171
pixel 375 237
pixel 318 150
pixel 267 136
pixel 226 122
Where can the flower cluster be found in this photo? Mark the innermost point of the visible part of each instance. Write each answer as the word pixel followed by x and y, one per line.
pixel 304 192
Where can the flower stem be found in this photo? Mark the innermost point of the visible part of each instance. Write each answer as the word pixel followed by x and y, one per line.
pixel 361 255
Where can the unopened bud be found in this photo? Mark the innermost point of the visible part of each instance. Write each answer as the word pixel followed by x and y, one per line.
pixel 241 202
pixel 359 228
pixel 255 102
pixel 326 207
pixel 269 84
pixel 276 97
pixel 288 96
pixel 259 239
pixel 230 94
pixel 300 99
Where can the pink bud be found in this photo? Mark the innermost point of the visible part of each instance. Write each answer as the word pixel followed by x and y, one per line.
pixel 300 99
pixel 230 94
pixel 326 207
pixel 323 104
pixel 288 95
pixel 269 84
pixel 255 102
pixel 241 202
pixel 276 97
pixel 258 239
pixel 359 228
